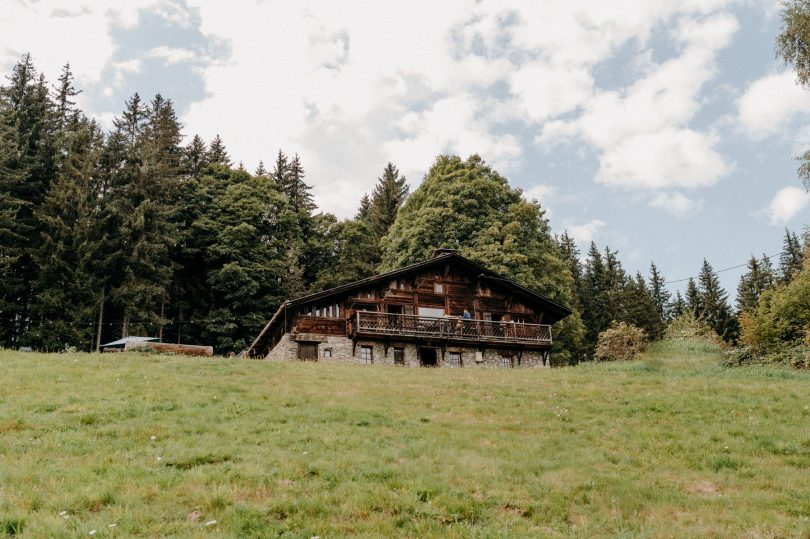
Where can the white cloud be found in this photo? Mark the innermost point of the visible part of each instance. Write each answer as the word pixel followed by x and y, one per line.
pixel 642 130
pixel 170 55
pixel 585 233
pixel 336 84
pixel 675 203
pixel 788 202
pixel 540 192
pixel 663 159
pixel 771 102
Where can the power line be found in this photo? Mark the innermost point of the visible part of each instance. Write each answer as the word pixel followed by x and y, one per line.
pixel 722 270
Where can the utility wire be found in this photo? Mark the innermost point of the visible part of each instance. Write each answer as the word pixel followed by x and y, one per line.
pixel 722 270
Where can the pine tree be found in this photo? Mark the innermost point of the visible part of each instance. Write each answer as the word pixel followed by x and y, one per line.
pixel 693 304
pixel 678 306
pixel 660 294
pixel 570 254
pixel 298 192
pixel 364 210
pixel 261 171
pixel 714 309
pixel 598 309
pixel 387 197
pixel 69 279
pixel 790 261
pixel 758 278
pixel 143 152
pixel 28 154
pixel 640 308
pixel 195 157
pixel 217 153
pixel 66 111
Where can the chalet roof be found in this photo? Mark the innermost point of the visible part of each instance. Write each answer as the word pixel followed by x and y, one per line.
pixel 439 258
pixel 553 311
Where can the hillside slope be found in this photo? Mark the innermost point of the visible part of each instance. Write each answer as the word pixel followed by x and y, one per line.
pixel 672 445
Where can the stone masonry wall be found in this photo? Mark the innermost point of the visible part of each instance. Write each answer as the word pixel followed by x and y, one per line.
pixel 340 349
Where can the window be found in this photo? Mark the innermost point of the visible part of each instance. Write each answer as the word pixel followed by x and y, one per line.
pixel 399 356
pixel 308 351
pixel 327 353
pixel 507 362
pixel 366 354
pixel 455 359
pixel 438 288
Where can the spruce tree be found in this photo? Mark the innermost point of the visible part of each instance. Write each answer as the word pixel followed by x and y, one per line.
pixel 714 310
pixel 790 261
pixel 65 106
pixel 660 294
pixel 261 171
pixel 217 153
pixel 678 306
pixel 70 279
pixel 144 151
pixel 757 278
pixel 387 197
pixel 298 192
pixel 195 157
pixel 693 304
pixel 28 154
pixel 364 210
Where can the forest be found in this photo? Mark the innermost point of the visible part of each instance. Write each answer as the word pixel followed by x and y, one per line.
pixel 145 230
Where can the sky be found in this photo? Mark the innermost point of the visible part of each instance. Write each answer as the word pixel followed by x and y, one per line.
pixel 666 130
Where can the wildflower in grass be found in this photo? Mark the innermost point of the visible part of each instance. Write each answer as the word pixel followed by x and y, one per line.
pixel 92 532
pixel 153 438
pixel 210 522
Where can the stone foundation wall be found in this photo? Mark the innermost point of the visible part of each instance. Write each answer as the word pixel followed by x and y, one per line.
pixel 337 349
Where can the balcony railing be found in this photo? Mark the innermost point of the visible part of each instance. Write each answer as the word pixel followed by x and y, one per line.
pixel 365 323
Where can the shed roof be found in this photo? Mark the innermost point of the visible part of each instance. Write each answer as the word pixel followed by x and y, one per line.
pixel 125 340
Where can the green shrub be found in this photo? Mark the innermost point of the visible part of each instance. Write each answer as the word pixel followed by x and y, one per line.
pixel 620 342
pixel 782 315
pixel 795 355
pixel 688 328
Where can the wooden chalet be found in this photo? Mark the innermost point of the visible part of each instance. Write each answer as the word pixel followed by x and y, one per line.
pixel 445 311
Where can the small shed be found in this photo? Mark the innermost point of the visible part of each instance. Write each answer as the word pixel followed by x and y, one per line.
pixel 120 344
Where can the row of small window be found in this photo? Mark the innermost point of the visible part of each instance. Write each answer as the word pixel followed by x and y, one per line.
pixel 454 358
pixel 325 311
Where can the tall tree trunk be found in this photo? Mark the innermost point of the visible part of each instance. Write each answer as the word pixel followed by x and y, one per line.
pixel 100 321
pixel 162 307
pixel 125 324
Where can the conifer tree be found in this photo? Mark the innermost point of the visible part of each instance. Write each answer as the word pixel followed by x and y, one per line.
pixel 26 114
pixel 678 306
pixel 640 308
pixel 387 197
pixel 298 192
pixel 364 210
pixel 65 107
pixel 660 294
pixel 790 261
pixel 261 171
pixel 714 310
pixel 758 278
pixel 70 279
pixel 144 150
pixel 195 157
pixel 217 153
pixel 693 304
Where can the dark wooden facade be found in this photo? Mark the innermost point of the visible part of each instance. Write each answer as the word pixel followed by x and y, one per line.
pixel 422 302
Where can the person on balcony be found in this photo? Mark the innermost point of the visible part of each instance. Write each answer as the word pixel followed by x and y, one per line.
pixel 466 315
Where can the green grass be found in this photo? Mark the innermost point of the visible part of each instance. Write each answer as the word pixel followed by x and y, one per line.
pixel 672 445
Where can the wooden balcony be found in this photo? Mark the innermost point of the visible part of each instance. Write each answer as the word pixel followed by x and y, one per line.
pixel 370 324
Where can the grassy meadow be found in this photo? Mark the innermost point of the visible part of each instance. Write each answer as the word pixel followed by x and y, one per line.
pixel 670 446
